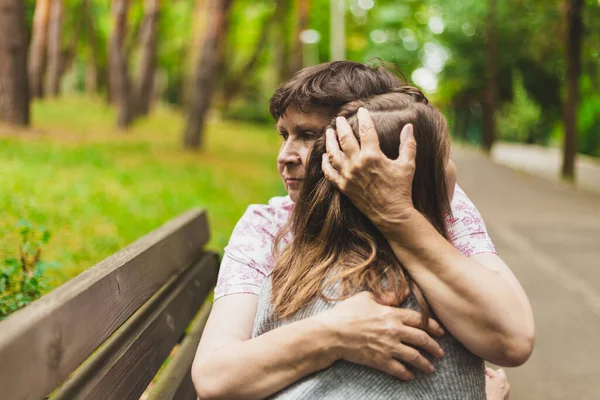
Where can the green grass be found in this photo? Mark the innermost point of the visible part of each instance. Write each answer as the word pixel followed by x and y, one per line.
pixel 98 189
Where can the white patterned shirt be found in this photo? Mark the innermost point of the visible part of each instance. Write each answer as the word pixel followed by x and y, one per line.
pixel 248 258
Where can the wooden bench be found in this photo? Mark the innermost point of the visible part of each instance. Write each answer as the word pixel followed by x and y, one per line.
pixel 105 334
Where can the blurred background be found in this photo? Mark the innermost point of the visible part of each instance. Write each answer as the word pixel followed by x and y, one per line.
pixel 116 116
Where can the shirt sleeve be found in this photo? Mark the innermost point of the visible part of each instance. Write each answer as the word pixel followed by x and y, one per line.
pixel 247 259
pixel 466 228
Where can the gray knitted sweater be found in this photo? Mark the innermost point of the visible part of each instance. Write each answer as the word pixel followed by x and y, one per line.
pixel 459 374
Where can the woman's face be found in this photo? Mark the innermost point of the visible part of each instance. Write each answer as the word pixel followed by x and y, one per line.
pixel 298 131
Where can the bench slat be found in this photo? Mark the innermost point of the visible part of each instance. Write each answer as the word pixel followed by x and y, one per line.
pixel 175 381
pixel 127 362
pixel 50 338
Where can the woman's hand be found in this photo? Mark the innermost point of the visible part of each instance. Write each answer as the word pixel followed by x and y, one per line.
pixel 381 188
pixel 373 333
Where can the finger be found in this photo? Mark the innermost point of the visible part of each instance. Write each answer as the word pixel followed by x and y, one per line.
pixel 408 145
pixel 501 373
pixel 336 157
pixel 346 137
pixel 490 372
pixel 412 357
pixel 420 339
pixel 389 298
pixel 366 130
pixel 413 318
pixel 395 368
pixel 330 173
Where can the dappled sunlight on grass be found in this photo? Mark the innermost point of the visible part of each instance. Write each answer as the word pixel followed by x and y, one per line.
pixel 97 188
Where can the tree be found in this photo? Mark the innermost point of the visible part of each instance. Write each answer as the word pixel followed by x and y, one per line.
pixel 54 47
pixel 572 39
pixel 145 86
pixel 206 71
pixel 118 74
pixel 302 14
pixel 14 85
pixel 282 44
pixel 38 48
pixel 235 80
pixel 338 30
pixel 491 79
pixel 92 63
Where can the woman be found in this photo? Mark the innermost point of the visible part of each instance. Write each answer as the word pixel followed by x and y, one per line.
pixel 230 363
pixel 334 251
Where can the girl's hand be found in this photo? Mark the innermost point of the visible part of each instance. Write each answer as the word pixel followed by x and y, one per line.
pixel 496 384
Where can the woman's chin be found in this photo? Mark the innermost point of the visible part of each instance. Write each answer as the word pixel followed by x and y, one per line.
pixel 293 194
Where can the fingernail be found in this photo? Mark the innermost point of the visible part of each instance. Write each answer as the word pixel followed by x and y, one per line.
pixel 431 369
pixel 329 131
pixel 441 331
pixel 339 119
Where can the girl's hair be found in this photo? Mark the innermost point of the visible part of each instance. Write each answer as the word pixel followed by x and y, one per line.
pixel 333 242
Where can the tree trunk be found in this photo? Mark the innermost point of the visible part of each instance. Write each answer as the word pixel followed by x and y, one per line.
pixel 14 83
pixel 235 81
pixel 38 48
pixel 118 75
pixel 198 33
pixel 54 47
pixel 282 45
pixel 572 39
pixel 302 13
pixel 206 72
pixel 338 30
pixel 145 86
pixel 491 80
pixel 93 64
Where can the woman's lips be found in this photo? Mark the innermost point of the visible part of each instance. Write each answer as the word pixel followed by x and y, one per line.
pixel 293 181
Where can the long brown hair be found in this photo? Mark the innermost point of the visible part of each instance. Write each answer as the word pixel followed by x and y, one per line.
pixel 333 242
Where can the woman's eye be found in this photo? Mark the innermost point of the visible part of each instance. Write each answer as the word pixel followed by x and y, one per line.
pixel 283 135
pixel 309 135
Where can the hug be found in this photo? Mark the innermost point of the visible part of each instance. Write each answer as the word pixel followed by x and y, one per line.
pixel 374 278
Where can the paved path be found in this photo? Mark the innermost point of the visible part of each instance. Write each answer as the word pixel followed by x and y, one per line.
pixel 549 234
pixel 547 162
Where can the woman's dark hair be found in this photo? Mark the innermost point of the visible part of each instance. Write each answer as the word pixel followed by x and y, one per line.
pixel 331 85
pixel 333 242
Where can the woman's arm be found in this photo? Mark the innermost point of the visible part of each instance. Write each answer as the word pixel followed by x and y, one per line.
pixel 478 299
pixel 229 364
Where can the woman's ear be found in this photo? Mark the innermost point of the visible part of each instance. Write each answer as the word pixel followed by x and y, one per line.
pixel 451 173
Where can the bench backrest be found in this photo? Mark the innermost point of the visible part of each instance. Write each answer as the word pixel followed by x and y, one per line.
pixel 105 333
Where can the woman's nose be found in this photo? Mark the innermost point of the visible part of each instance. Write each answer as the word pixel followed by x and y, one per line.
pixel 288 155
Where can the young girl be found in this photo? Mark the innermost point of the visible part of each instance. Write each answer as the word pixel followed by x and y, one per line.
pixel 329 251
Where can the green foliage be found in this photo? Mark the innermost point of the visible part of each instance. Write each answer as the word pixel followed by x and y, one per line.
pixel 22 277
pixel 98 190
pixel 589 118
pixel 519 120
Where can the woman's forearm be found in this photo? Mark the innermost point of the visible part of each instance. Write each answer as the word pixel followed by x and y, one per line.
pixel 262 366
pixel 491 317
